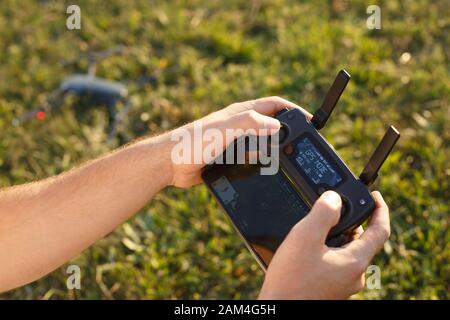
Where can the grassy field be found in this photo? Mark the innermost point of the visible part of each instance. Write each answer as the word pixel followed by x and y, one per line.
pixel 218 52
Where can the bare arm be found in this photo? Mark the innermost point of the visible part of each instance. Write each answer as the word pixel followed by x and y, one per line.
pixel 43 224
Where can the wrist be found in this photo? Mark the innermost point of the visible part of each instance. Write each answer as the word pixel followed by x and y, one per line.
pixel 158 152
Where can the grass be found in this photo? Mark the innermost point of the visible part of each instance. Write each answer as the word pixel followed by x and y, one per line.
pixel 181 245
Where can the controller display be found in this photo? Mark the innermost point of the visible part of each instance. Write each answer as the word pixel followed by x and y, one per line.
pixel 314 164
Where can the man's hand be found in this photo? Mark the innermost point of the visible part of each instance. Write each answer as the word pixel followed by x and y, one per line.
pixel 305 268
pixel 254 114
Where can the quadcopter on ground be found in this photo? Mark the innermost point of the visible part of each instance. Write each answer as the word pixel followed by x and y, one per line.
pixel 96 92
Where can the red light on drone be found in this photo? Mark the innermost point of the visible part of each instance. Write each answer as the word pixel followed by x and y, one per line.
pixel 40 115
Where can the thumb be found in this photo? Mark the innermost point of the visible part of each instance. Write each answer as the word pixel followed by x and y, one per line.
pixel 323 216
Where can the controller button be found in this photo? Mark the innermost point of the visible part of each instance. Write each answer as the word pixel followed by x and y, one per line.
pixel 283 133
pixel 345 207
pixel 321 190
pixel 288 150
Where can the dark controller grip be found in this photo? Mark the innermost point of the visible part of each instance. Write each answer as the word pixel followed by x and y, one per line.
pixel 336 241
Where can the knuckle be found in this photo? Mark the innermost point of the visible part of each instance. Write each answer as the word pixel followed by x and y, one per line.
pixel 384 232
pixel 357 268
pixel 233 106
pixel 387 232
pixel 275 98
pixel 250 117
pixel 297 228
pixel 332 209
pixel 298 231
pixel 359 284
pixel 236 105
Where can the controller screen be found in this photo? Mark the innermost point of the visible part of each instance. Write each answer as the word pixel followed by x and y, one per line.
pixel 263 207
pixel 314 164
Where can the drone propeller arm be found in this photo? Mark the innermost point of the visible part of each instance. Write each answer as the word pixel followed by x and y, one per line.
pixel 48 105
pixel 119 117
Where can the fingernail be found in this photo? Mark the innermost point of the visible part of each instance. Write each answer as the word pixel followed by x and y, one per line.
pixel 331 197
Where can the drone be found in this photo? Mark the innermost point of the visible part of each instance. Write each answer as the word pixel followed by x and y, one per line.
pixel 97 92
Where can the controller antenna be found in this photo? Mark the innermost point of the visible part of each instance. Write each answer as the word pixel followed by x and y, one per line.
pixel 322 114
pixel 384 148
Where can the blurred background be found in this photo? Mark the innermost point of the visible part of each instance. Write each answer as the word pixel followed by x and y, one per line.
pixel 180 60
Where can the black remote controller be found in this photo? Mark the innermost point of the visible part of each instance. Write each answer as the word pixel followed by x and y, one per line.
pixel 264 208
pixel 314 167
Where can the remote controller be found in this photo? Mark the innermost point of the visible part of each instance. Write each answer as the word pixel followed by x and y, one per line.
pixel 263 208
pixel 314 167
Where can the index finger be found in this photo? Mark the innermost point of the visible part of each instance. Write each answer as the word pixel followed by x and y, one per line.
pixel 376 233
pixel 269 106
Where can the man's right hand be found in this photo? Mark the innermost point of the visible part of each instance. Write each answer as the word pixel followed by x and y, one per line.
pixel 305 268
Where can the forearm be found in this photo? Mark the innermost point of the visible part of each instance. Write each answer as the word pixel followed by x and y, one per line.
pixel 44 224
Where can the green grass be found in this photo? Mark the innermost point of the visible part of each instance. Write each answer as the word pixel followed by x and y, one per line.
pixel 181 245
